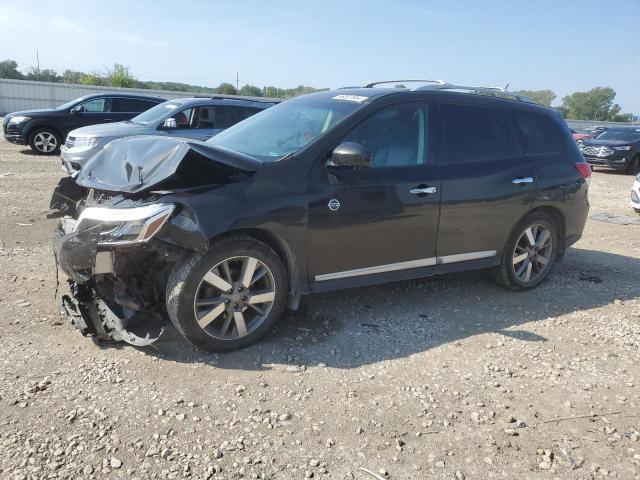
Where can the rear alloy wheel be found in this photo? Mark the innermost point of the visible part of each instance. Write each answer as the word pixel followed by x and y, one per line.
pixel 229 297
pixel 44 141
pixel 529 254
pixel 532 253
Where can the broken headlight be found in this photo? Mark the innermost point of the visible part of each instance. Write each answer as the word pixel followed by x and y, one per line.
pixel 122 226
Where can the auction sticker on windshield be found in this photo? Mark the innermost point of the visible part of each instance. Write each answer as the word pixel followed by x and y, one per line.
pixel 350 98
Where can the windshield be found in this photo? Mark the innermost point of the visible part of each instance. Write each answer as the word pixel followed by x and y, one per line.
pixel 621 134
pixel 70 103
pixel 155 113
pixel 284 129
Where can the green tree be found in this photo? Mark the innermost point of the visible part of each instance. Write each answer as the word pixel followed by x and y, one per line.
pixel 46 75
pixel 226 89
pixel 119 76
pixel 622 117
pixel 9 69
pixel 92 79
pixel 250 91
pixel 596 104
pixel 274 92
pixel 541 97
pixel 71 76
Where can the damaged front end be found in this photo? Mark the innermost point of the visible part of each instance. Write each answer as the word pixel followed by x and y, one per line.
pixel 115 292
pixel 118 240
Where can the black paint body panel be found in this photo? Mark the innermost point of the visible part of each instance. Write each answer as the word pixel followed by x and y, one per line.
pixel 474 208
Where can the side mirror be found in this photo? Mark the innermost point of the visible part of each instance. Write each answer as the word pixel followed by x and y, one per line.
pixel 77 109
pixel 350 155
pixel 169 124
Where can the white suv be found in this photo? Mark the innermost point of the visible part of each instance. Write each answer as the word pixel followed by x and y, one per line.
pixel 635 195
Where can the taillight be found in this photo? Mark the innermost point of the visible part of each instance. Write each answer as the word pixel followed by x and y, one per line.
pixel 585 170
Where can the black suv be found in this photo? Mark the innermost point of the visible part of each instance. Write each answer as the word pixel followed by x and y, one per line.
pixel 326 191
pixel 617 148
pixel 44 130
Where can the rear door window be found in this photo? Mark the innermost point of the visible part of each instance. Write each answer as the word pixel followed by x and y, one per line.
pixel 245 112
pixel 227 115
pixel 539 133
pixel 474 133
pixel 204 117
pixel 131 105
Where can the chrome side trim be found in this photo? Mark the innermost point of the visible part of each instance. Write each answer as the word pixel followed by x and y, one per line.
pixel 463 257
pixel 391 267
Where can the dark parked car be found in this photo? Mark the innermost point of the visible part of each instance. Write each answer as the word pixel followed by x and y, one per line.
pixel 327 191
pixel 44 130
pixel 617 148
pixel 196 118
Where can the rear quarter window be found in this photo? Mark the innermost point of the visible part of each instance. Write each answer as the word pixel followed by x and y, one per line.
pixel 539 133
pixel 474 133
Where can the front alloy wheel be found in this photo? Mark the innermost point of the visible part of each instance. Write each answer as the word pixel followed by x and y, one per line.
pixel 234 298
pixel 229 296
pixel 44 142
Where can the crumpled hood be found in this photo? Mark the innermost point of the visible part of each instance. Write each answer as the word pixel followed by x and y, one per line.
pixel 131 165
pixel 115 129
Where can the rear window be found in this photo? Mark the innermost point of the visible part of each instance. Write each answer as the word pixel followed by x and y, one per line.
pixel 540 134
pixel 474 133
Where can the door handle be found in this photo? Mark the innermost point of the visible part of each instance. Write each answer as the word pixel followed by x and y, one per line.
pixel 522 180
pixel 420 190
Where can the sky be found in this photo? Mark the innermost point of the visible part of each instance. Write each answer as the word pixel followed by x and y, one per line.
pixel 562 45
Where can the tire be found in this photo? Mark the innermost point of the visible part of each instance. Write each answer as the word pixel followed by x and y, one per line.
pixel 512 275
pixel 204 277
pixel 45 141
pixel 634 166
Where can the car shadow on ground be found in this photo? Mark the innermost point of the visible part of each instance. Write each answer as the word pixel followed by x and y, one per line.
pixel 363 326
pixel 28 151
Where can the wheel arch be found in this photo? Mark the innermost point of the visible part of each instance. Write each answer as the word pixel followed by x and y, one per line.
pixel 558 218
pixel 282 249
pixel 44 126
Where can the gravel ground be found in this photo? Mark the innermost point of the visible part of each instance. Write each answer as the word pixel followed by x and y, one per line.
pixel 449 378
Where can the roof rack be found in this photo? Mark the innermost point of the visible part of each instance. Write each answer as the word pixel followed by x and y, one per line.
pixel 442 85
pixel 373 84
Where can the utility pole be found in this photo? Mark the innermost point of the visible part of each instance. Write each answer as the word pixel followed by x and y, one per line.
pixel 38 60
pixel 237 82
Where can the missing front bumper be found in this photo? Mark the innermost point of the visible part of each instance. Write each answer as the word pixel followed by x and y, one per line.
pixel 92 316
pixel 99 304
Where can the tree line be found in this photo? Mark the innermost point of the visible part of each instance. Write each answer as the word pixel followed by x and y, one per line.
pixel 595 104
pixel 120 76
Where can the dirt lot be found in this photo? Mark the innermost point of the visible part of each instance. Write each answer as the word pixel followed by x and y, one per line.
pixel 449 378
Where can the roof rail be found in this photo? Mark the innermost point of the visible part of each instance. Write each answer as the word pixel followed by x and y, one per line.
pixel 239 97
pixel 489 91
pixel 373 84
